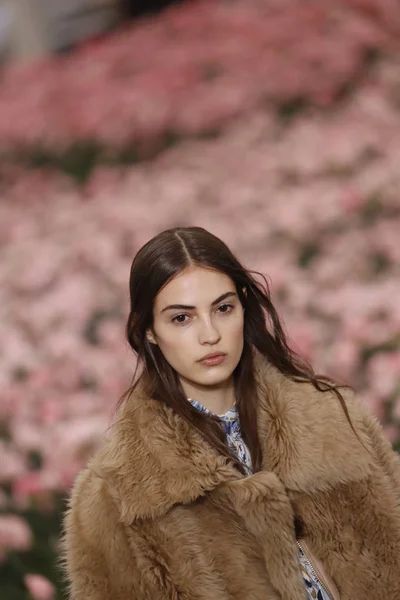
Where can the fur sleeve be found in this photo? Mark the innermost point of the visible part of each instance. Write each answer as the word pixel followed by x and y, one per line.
pixel 83 559
pixel 95 555
pixel 102 557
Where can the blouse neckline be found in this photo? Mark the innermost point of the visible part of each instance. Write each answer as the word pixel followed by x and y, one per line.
pixel 230 415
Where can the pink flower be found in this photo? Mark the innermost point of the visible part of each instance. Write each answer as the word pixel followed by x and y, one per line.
pixel 51 411
pixel 39 587
pixel 373 403
pixel 182 79
pixel 25 487
pixel 352 200
pixel 392 432
pixel 383 373
pixel 303 339
pixel 346 354
pixel 12 464
pixel 15 533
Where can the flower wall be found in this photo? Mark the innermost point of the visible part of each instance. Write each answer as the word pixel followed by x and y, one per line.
pixel 193 69
pixel 274 125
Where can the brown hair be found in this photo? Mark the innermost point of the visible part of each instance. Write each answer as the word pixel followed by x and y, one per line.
pixel 156 263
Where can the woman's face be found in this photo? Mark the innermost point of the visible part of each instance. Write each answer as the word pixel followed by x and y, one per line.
pixel 196 314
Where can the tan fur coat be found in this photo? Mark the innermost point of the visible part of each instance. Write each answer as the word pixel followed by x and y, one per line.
pixel 157 515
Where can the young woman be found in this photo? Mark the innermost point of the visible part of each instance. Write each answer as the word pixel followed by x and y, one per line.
pixel 232 472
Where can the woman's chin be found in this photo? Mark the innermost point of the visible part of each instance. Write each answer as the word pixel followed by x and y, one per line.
pixel 215 377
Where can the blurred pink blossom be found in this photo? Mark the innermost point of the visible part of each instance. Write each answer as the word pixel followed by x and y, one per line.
pixel 384 374
pixel 39 587
pixel 352 200
pixel 12 463
pixel 253 52
pixel 31 484
pixel 392 433
pixel 346 354
pixel 15 533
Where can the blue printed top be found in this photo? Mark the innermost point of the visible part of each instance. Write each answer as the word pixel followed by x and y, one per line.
pixel 231 426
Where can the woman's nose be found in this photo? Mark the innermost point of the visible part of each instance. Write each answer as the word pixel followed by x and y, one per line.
pixel 208 334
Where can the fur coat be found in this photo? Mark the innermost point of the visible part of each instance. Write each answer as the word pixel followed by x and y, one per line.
pixel 157 515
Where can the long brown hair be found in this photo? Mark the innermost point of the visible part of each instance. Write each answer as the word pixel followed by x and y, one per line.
pixel 156 263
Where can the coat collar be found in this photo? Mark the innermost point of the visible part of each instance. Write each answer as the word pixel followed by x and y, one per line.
pixel 154 459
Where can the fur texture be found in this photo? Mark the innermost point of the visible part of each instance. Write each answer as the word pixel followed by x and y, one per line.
pixel 157 515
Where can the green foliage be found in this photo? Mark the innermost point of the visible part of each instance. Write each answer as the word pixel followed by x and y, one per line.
pixel 12 586
pixel 35 460
pixel 380 263
pixel 288 110
pixel 78 160
pixel 308 252
pixel 367 352
pixel 371 211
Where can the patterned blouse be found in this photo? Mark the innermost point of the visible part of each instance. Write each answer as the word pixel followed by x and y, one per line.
pixel 231 426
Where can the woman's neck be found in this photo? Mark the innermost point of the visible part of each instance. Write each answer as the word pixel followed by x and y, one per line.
pixel 218 399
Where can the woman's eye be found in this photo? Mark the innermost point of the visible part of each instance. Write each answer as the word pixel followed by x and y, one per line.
pixel 224 308
pixel 179 319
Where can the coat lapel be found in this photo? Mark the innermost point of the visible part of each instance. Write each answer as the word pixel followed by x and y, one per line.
pixel 154 459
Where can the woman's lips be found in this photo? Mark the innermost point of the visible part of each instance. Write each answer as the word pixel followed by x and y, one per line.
pixel 213 361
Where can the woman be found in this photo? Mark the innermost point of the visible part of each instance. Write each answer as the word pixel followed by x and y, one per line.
pixel 232 471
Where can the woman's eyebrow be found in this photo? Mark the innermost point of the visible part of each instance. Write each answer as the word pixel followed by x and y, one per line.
pixel 188 307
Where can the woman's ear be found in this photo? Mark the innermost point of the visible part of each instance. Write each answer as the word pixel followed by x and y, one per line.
pixel 150 336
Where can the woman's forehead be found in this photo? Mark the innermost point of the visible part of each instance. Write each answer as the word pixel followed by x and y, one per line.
pixel 195 286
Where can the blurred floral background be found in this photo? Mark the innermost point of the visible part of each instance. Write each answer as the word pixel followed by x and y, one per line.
pixel 275 125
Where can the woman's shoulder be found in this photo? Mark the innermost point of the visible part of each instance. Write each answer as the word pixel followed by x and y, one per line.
pixel 308 434
pixel 327 401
